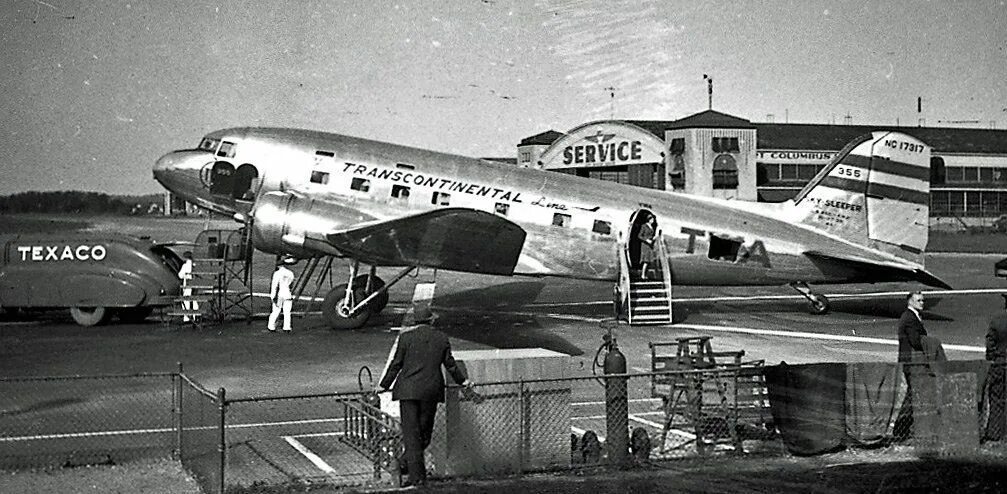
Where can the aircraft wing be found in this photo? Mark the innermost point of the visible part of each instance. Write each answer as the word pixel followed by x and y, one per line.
pixel 881 270
pixel 458 239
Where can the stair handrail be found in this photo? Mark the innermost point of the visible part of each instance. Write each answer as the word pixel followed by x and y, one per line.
pixel 624 307
pixel 665 264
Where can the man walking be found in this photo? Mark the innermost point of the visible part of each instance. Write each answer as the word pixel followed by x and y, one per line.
pixel 185 274
pixel 996 385
pixel 415 368
pixel 279 294
pixel 910 332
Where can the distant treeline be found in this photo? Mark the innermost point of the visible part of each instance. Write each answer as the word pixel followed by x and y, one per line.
pixel 75 202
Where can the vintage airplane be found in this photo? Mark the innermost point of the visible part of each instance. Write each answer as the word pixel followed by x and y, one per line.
pixel 863 218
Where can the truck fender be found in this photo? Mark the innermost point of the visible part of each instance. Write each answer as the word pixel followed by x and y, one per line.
pixel 88 290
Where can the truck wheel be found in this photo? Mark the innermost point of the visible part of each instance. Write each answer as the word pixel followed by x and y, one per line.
pixel 89 316
pixel 134 315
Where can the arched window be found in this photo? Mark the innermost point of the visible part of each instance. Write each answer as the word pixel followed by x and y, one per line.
pixel 725 172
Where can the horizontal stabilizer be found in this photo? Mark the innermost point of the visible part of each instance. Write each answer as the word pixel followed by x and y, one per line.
pixel 879 271
pixel 457 239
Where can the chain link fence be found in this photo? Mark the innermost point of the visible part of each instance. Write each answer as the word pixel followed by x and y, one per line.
pixel 85 420
pixel 496 428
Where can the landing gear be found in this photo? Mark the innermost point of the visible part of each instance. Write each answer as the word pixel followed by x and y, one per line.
pixel 351 308
pixel 818 303
pixel 90 316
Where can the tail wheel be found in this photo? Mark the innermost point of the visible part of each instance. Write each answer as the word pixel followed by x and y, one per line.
pixel 134 315
pixel 90 316
pixel 336 312
pixel 819 304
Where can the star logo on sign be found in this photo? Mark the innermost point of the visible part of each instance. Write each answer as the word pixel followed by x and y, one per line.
pixel 599 137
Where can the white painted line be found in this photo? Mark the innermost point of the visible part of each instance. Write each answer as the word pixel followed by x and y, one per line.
pixel 76 435
pixel 814 336
pixel 320 434
pixel 677 432
pixel 126 432
pixel 590 403
pixel 310 455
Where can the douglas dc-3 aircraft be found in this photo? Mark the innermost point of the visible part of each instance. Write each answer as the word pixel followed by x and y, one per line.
pixel 863 218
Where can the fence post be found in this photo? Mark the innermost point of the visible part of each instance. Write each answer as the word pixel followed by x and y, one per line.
pixel 522 425
pixel 221 399
pixel 177 402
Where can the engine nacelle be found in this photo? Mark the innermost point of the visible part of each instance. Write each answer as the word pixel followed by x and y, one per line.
pixel 289 223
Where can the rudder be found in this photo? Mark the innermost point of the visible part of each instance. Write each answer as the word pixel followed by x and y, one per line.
pixel 876 192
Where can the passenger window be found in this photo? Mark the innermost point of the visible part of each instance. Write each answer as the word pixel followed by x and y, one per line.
pixel 441 199
pixel 560 219
pixel 404 166
pixel 602 227
pixel 226 149
pixel 501 208
pixel 320 177
pixel 361 184
pixel 400 191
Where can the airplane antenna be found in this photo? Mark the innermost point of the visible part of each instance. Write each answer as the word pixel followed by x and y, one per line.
pixel 709 89
pixel 611 91
pixel 848 119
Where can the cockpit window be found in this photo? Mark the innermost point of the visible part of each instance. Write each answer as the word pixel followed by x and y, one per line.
pixel 226 149
pixel 209 144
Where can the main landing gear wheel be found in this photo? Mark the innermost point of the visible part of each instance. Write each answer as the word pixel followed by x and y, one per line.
pixel 337 313
pixel 818 304
pixel 90 316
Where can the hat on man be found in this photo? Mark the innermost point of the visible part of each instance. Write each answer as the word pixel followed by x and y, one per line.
pixel 288 260
pixel 423 315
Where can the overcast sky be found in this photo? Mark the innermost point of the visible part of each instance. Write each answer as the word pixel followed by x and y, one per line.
pixel 94 91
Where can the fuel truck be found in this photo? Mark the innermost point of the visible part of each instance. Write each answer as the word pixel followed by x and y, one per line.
pixel 96 276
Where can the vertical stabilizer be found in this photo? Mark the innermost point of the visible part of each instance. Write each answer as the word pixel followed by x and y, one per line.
pixel 876 192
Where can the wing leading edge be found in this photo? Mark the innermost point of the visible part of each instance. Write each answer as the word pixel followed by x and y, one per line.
pixel 875 271
pixel 457 239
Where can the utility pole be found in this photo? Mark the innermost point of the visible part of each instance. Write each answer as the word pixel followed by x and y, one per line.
pixel 709 89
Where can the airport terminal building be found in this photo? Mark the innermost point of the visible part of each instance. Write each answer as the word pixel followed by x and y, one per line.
pixel 719 155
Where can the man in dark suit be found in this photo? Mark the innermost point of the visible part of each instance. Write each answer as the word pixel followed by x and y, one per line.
pixel 911 329
pixel 911 333
pixel 415 368
pixel 996 352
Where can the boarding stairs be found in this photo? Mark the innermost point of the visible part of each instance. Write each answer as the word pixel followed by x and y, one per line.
pixel 221 279
pixel 645 297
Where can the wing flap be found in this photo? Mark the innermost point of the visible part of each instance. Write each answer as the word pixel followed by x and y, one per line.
pixel 458 239
pixel 882 271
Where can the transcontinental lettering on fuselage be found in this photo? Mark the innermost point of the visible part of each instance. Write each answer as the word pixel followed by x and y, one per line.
pixel 445 184
pixel 603 152
pixel 43 253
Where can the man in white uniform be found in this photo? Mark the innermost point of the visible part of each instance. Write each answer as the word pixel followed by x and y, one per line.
pixel 279 293
pixel 185 274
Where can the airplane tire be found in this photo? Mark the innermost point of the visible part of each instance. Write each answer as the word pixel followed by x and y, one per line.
pixel 379 302
pixel 819 304
pixel 134 315
pixel 90 316
pixel 334 303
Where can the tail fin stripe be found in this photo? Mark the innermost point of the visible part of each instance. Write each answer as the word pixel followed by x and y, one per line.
pixel 891 167
pixel 885 165
pixel 898 193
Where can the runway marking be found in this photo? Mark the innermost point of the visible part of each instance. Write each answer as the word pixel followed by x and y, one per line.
pixel 814 336
pixel 834 296
pixel 310 455
pixel 127 432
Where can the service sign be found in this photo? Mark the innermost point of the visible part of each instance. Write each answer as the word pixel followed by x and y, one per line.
pixel 61 253
pixel 603 144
